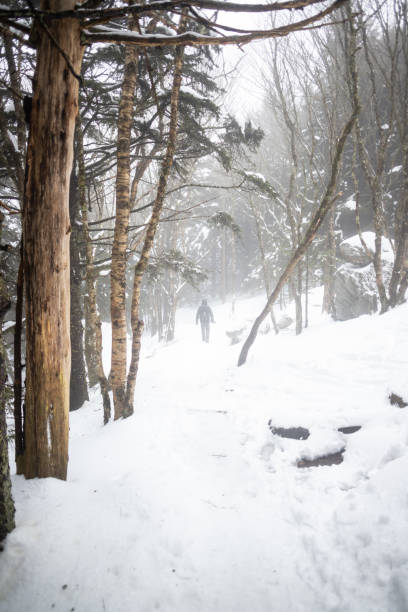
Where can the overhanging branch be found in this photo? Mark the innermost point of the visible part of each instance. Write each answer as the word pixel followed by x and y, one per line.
pixel 103 34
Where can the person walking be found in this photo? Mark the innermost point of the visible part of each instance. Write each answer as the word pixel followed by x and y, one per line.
pixel 205 315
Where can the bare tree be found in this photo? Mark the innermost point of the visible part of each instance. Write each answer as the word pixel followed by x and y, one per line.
pixel 326 203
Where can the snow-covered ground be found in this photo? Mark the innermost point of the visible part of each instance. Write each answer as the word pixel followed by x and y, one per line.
pixel 192 505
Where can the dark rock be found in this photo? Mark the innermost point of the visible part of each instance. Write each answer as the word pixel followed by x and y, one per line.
pixel 396 400
pixel 332 459
pixel 293 433
pixel 354 284
pixel 349 429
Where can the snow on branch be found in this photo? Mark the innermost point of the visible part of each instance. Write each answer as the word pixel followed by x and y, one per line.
pixel 93 33
pixel 97 34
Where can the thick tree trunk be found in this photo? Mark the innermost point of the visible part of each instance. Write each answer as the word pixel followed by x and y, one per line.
pixel 46 231
pixel 78 392
pixel 6 500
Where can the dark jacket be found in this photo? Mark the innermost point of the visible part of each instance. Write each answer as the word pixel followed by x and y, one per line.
pixel 204 314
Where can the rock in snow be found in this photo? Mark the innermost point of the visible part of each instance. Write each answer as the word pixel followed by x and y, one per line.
pixel 355 286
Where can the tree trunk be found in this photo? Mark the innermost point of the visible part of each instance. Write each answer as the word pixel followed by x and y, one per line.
pixel 307 289
pixel 140 268
pixel 224 272
pixel 93 348
pixel 120 239
pixel 397 291
pixel 46 231
pixel 92 323
pixel 330 268
pixel 159 313
pixel 6 500
pixel 18 370
pixel 374 172
pixel 297 288
pixel 78 393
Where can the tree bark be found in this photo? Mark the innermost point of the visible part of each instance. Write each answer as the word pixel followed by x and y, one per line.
pixel 78 393
pixel 46 231
pixel 307 289
pixel 399 272
pixel 330 268
pixel 18 370
pixel 120 239
pixel 6 500
pixel 93 338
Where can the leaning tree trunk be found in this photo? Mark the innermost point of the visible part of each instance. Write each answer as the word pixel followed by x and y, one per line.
pixel 46 231
pixel 6 500
pixel 140 268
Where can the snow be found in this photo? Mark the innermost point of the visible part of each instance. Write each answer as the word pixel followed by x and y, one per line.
pixel 350 204
pixel 192 505
pixel 256 175
pixel 387 253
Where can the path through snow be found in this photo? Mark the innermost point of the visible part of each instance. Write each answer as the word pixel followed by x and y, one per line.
pixel 193 506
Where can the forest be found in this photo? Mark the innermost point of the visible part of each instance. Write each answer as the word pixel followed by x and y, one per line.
pixel 159 155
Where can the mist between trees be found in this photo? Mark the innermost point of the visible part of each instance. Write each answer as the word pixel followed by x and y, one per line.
pixel 127 189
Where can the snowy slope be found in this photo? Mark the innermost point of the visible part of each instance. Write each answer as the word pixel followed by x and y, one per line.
pixel 192 505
